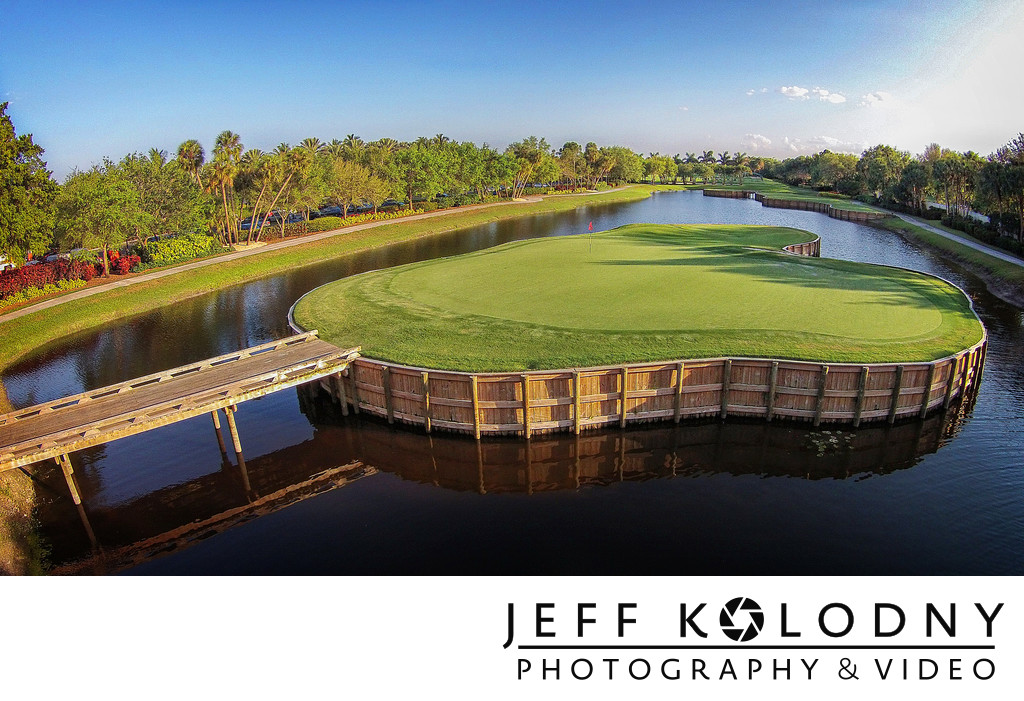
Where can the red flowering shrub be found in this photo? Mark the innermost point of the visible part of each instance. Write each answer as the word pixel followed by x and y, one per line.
pixel 124 264
pixel 39 276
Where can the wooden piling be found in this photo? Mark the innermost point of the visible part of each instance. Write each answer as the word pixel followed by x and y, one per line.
pixel 862 385
pixel 680 367
pixel 954 364
pixel 525 379
pixel 229 414
pixel 965 374
pixel 927 391
pixel 894 404
pixel 773 382
pixel 355 387
pixel 576 401
pixel 339 389
pixel 426 400
pixel 981 367
pixel 623 395
pixel 389 404
pixel 476 408
pixel 726 377
pixel 69 476
pixel 819 404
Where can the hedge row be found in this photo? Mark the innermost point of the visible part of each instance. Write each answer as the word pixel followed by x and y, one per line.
pixel 330 223
pixel 27 277
pixel 984 233
pixel 33 292
pixel 176 249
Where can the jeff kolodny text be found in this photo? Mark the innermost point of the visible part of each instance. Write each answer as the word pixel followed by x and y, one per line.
pixel 737 639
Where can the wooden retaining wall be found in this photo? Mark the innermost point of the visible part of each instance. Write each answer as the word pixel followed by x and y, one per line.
pixel 780 203
pixel 580 399
pixel 811 248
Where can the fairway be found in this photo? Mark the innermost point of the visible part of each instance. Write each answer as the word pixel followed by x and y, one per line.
pixel 641 293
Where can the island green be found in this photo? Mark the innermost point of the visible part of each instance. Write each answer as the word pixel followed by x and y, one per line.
pixel 641 293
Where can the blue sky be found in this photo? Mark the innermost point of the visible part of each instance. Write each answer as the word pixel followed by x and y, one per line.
pixel 98 79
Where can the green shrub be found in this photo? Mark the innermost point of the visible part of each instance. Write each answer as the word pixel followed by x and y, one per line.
pixel 176 249
pixel 33 292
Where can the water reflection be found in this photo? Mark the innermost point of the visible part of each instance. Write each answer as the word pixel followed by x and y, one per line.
pixel 170 519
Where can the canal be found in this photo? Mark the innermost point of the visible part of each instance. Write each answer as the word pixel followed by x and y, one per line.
pixel 940 496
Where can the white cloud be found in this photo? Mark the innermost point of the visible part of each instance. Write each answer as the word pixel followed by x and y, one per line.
pixel 816 144
pixel 750 92
pixel 685 108
pixel 755 141
pixel 874 99
pixel 764 90
pixel 795 92
pixel 826 96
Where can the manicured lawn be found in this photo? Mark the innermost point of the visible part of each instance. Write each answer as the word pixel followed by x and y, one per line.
pixel 641 293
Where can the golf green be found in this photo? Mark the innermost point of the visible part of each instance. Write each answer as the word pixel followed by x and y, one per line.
pixel 640 293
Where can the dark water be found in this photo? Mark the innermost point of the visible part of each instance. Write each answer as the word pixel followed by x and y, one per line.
pixel 943 496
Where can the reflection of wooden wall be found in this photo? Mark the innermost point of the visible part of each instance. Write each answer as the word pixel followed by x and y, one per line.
pixel 574 400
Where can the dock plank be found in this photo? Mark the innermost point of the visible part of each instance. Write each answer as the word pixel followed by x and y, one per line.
pixel 28 435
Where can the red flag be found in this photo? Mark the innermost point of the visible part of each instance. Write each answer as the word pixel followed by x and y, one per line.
pixel 591 226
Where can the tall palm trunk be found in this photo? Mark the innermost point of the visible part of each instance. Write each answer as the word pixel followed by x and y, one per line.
pixel 227 217
pixel 271 208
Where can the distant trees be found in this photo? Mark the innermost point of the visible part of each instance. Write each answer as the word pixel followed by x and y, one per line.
pixel 26 194
pixel 167 193
pixel 189 192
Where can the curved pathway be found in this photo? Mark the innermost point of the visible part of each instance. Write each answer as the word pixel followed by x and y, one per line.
pixel 970 243
pixel 234 255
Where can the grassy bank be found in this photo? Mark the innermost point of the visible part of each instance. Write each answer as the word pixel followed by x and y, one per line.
pixel 641 293
pixel 21 550
pixel 979 261
pixel 27 333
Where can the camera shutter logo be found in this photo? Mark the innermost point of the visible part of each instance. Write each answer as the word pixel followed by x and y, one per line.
pixel 741 619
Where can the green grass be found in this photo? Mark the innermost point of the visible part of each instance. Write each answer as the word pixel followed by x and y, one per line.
pixel 641 293
pixel 25 334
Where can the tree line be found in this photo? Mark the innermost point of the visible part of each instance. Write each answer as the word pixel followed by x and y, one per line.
pixel 232 189
pixel 963 182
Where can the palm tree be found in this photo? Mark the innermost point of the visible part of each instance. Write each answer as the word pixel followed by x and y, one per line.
pixel 228 145
pixel 723 158
pixel 691 157
pixel 336 148
pixel 707 157
pixel 312 144
pixel 440 139
pixel 158 157
pixel 222 174
pixel 386 144
pixel 191 157
pixel 226 151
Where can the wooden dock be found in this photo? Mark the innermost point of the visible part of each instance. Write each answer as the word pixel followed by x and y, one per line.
pixel 56 429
